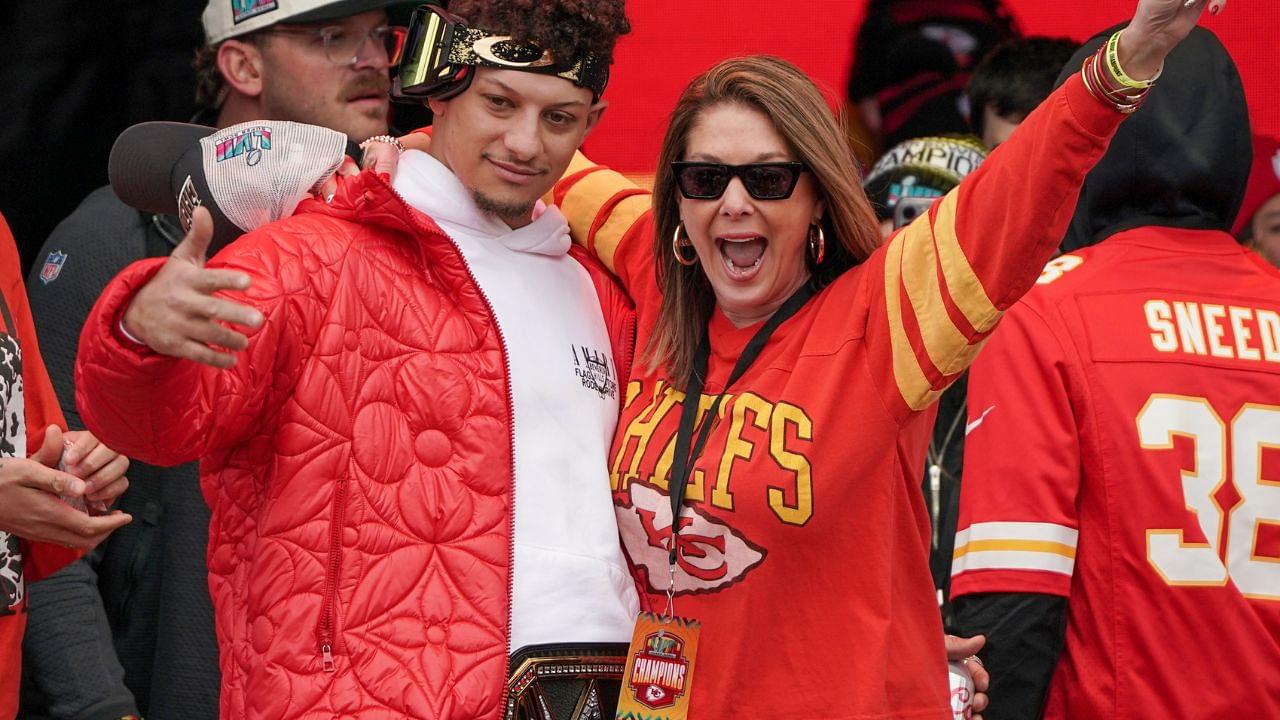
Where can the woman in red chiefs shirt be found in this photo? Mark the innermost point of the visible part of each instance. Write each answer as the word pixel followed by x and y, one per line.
pixel 802 539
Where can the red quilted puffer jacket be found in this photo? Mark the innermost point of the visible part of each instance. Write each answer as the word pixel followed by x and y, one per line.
pixel 357 459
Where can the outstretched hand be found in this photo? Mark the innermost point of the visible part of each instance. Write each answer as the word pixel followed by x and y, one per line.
pixel 177 314
pixel 1157 27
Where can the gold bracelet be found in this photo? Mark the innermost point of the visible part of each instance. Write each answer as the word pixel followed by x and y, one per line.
pixel 395 142
pixel 1117 72
pixel 1117 98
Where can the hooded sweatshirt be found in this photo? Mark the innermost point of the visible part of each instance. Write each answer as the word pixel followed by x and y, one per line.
pixel 1107 543
pixel 570 583
pixel 1182 161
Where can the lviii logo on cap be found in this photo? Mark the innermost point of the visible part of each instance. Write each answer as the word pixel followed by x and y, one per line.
pixel 250 142
pixel 242 10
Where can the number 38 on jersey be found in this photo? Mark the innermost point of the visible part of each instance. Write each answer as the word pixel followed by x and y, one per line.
pixel 1225 451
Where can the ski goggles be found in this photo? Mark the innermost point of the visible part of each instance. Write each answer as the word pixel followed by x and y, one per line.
pixel 441 53
pixel 763 181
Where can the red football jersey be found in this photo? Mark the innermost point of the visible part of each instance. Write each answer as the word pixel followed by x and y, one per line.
pixel 804 542
pixel 1124 452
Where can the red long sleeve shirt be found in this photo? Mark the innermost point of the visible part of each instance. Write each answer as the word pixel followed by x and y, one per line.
pixel 804 544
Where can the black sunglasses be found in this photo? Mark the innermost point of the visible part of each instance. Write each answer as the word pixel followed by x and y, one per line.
pixel 764 181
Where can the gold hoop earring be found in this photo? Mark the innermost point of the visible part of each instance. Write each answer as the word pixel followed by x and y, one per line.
pixel 817 244
pixel 678 244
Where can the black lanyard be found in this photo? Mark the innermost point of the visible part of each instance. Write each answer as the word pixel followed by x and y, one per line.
pixel 684 459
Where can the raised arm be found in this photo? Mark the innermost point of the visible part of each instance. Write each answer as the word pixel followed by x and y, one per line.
pixel 949 276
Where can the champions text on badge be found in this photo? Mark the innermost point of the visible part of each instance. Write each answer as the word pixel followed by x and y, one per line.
pixel 659 669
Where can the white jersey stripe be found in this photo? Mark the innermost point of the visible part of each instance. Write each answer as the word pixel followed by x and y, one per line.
pixel 1018 531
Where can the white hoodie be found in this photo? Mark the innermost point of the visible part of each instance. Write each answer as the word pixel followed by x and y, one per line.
pixel 570 580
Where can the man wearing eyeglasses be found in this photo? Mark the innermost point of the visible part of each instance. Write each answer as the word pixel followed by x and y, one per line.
pixel 402 399
pixel 321 63
pixel 129 630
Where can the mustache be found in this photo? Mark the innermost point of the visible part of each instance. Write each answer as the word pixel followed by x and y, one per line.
pixel 370 84
pixel 521 164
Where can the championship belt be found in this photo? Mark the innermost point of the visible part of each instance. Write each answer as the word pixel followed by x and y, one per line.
pixel 565 681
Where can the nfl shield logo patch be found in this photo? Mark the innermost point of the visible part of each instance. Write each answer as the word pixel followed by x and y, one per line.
pixel 52 267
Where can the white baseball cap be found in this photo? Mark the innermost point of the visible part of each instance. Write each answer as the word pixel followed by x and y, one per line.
pixel 228 18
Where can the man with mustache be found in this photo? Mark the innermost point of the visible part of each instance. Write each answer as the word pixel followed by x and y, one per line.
pixel 402 399
pixel 147 646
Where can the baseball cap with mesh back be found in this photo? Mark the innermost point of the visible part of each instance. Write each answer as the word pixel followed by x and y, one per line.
pixel 225 19
pixel 246 175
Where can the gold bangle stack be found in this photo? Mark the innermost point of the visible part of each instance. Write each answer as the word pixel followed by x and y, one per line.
pixel 1107 80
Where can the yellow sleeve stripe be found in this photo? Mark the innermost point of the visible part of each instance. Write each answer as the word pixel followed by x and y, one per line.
pixel 1014 560
pixel 943 341
pixel 576 165
pixel 913 261
pixel 584 201
pixel 1041 546
pixel 965 289
pixel 604 243
pixel 1017 546
pixel 912 384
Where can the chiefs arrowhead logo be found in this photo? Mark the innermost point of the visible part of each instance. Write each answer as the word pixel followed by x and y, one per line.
pixel 710 554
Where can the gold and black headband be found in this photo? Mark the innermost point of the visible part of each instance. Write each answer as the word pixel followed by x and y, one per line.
pixel 441 49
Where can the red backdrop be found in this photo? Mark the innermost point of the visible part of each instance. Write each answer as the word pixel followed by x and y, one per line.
pixel 672 40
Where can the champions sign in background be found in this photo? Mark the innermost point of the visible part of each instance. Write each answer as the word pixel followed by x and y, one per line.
pixel 673 40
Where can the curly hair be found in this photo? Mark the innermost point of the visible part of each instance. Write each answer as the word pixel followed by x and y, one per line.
pixel 568 28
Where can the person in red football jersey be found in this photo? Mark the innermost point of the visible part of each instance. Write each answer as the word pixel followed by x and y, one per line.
pixel 801 541
pixel 801 538
pixel 1118 540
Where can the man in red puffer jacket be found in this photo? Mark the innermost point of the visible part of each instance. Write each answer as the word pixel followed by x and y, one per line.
pixel 404 450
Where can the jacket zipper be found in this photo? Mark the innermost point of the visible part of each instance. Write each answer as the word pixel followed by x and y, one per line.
pixel 629 351
pixel 331 577
pixel 511 429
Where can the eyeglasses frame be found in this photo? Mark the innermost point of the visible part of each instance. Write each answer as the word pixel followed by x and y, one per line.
pixel 399 31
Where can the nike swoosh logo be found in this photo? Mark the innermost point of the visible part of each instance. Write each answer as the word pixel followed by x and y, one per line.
pixel 974 425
